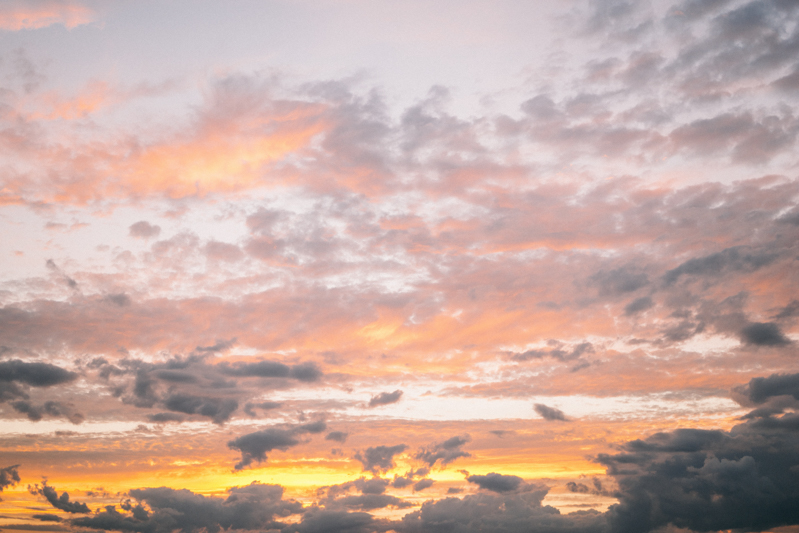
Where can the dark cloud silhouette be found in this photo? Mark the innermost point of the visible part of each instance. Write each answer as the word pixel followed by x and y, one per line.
pixel 47 517
pixel 446 451
pixel 496 482
pixel 764 334
pixel 143 230
pixel 761 389
pixel 709 480
pixel 379 458
pixel 619 281
pixel 160 418
pixel 59 502
pixel 271 369
pixel 217 409
pixel 254 446
pixel 577 487
pixel 219 346
pixel 9 476
pixel 385 398
pixel 549 413
pixel 508 512
pixel 252 507
pixel 423 484
pixel 35 374
pixel 250 407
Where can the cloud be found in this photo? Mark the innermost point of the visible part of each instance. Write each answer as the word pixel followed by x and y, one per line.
pixel 218 409
pixel 760 389
pixel 496 482
pixel 253 446
pixel 764 334
pixel 379 458
pixel 446 451
pixel 549 413
pixel 708 480
pixel 337 436
pixel 423 484
pixel 52 408
pixel 16 15
pixel 385 398
pixel 9 476
pixel 35 374
pixel 144 230
pixel 251 507
pixel 59 502
pixel 307 372
pixel 739 258
pixel 639 304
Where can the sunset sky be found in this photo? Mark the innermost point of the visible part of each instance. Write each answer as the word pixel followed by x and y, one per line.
pixel 416 266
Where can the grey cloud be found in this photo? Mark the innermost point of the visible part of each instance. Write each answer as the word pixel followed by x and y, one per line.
pixel 51 408
pixel 144 230
pixel 737 259
pixel 317 520
pixel 71 283
pixel 709 480
pixel 9 476
pixel 217 409
pixel 557 353
pixel 161 418
pixel 222 251
pixel 251 507
pixel 511 512
pixel 760 389
pixel 338 436
pixel 59 502
pixel 764 334
pixel 219 346
pixel 250 407
pixel 639 304
pixel 423 484
pixel 47 517
pixel 379 458
pixel 577 487
pixel 35 374
pixel 119 299
pixel 549 413
pixel 254 446
pixel 385 398
pixel 496 482
pixel 271 369
pixel 789 311
pixel 446 451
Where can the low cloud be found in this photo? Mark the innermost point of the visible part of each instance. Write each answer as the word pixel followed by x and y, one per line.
pixel 385 398
pixel 550 413
pixel 379 458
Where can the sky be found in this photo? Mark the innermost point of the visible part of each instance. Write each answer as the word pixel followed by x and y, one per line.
pixel 378 266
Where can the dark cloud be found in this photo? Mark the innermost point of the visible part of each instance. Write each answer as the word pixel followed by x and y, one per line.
pixel 759 390
pixel 549 413
pixel 385 398
pixel 144 230
pixel 736 259
pixel 219 346
pixel 709 480
pixel 250 407
pixel 59 502
pixel 253 446
pixel 252 507
pixel 338 436
pixel 764 334
pixel 446 451
pixel 9 476
pixel 50 408
pixel 161 418
pixel 577 487
pixel 317 520
pixel 35 374
pixel 379 458
pixel 789 311
pixel 47 517
pixel 217 409
pixel 497 482
pixel 511 512
pixel 307 372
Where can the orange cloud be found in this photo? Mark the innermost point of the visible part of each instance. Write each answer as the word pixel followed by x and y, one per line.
pixel 18 15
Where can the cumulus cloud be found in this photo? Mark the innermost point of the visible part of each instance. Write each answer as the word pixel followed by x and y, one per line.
pixel 251 507
pixel 144 230
pixel 379 458
pixel 496 482
pixel 549 413
pixel 9 476
pixel 446 451
pixel 385 398
pixel 59 502
pixel 253 446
